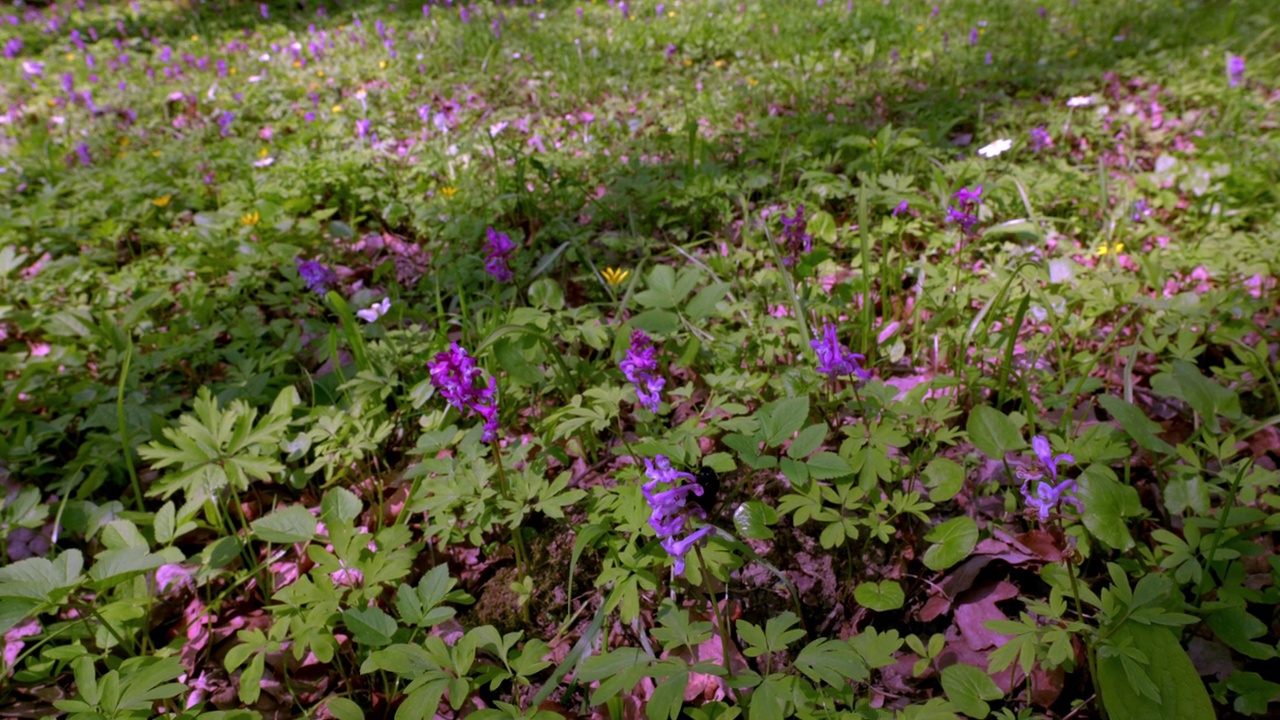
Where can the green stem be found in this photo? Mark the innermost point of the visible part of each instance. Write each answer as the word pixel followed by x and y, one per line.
pixel 1089 653
pixel 124 429
pixel 721 621
pixel 1217 533
pixel 517 539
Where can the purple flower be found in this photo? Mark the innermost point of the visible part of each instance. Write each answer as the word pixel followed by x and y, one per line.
pixel 1235 69
pixel 794 238
pixel 317 276
pixel 455 375
pixel 671 507
pixel 82 152
pixel 1047 496
pixel 973 36
pixel 499 248
pixel 68 82
pixel 224 122
pixel 262 9
pixel 901 208
pixel 1140 210
pixel 1040 139
pixel 362 128
pixel 13 47
pixel 834 359
pixel 963 213
pixel 640 367
pixel 671 51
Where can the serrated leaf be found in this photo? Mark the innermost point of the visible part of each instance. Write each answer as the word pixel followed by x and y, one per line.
pixel 292 524
pixel 831 661
pixel 112 567
pixel 779 420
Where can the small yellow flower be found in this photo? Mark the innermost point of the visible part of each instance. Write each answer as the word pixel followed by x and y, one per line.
pixel 124 142
pixel 919 28
pixel 50 102
pixel 1116 249
pixel 161 201
pixel 297 63
pixel 752 81
pixel 232 71
pixel 250 219
pixel 719 63
pixel 382 64
pixel 319 73
pixel 195 38
pixel 337 109
pixel 263 152
pixel 687 63
pixel 155 153
pixel 615 276
pixel 671 13
pixel 71 56
pixel 448 191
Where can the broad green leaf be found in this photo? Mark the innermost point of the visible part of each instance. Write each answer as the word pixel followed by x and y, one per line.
pixel 1253 694
pixel 969 689
pixel 944 478
pixel 668 697
pixel 370 626
pixel 112 567
pixel 753 518
pixel 831 661
pixel 704 303
pixel 340 506
pixel 992 432
pixel 164 523
pixel 782 418
pixel 1141 428
pixel 343 709
pixel 656 322
pixel 1239 629
pixel 1107 503
pixel 880 596
pixel 953 541
pixel 1182 693
pixel 292 524
pixel 807 441
pixel 828 466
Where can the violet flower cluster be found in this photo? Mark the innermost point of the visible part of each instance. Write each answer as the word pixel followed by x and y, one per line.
pixel 455 374
pixel 965 210
pixel 499 248
pixel 640 367
pixel 1047 495
pixel 834 359
pixel 1235 70
pixel 1040 139
pixel 671 507
pixel 317 276
pixel 795 240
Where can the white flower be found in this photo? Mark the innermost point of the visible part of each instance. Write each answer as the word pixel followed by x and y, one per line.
pixel 1079 101
pixel 496 128
pixel 255 78
pixel 264 57
pixel 375 311
pixel 264 162
pixel 995 148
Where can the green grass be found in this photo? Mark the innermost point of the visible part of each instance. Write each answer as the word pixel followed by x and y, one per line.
pixel 231 494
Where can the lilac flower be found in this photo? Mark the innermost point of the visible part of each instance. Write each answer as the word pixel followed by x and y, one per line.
pixel 499 248
pixel 68 82
pixel 262 9
pixel 963 213
pixel 794 238
pixel 13 47
pixel 1047 496
pixel 671 51
pixel 901 208
pixel 973 36
pixel 1140 210
pixel 1235 69
pixel 224 122
pixel 455 375
pixel 671 507
pixel 82 152
pixel 1040 139
pixel 424 114
pixel 362 128
pixel 834 359
pixel 317 276
pixel 375 311
pixel 640 367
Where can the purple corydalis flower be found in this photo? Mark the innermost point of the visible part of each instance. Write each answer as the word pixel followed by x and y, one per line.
pixel 973 36
pixel 1047 495
pixel 671 508
pixel 224 122
pixel 1040 139
pixel 362 128
pixel 317 276
pixel 82 152
pixel 794 238
pixel 1235 70
pixel 499 248
pixel 834 359
pixel 455 374
pixel 262 10
pixel 640 366
pixel 902 207
pixel 1140 210
pixel 13 47
pixel 671 51
pixel 963 213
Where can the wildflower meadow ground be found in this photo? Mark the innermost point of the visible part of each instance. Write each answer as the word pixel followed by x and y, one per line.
pixel 706 359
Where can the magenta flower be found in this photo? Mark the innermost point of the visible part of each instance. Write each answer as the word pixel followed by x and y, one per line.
pixel 834 359
pixel 671 507
pixel 455 374
pixel 640 366
pixel 499 248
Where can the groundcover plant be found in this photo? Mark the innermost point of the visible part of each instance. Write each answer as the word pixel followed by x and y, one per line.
pixel 689 359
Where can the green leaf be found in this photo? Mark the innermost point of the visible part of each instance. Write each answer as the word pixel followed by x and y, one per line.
pixel 343 709
pixel 289 525
pixel 968 688
pixel 112 567
pixel 881 596
pixel 828 466
pixel 753 518
pixel 339 506
pixel 1138 425
pixel 953 541
pixel 1239 629
pixel 704 303
pixel 1182 694
pixel 992 432
pixel 370 626
pixel 1253 694
pixel 1106 505
pixel 164 523
pixel 668 697
pixel 656 322
pixel 944 478
pixel 807 441
pixel 831 661
pixel 779 420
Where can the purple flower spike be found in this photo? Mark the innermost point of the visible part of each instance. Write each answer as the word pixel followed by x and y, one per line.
pixel 1040 139
pixel 317 276
pixel 834 359
pixel 1044 495
pixel 794 238
pixel 669 499
pixel 640 367
pixel 1235 70
pixel 455 375
pixel 964 212
pixel 499 249
pixel 1048 460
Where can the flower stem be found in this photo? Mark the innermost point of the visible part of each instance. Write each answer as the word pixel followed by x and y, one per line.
pixel 517 538
pixel 721 621
pixel 1088 643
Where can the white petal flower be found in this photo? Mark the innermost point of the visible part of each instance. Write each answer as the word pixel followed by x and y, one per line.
pixel 264 162
pixel 375 311
pixel 1080 101
pixel 995 148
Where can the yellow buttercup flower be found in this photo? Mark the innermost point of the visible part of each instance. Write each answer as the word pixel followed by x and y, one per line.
pixel 250 219
pixel 1117 249
pixel 263 152
pixel 195 38
pixel 448 191
pixel 615 276
pixel 337 109
pixel 382 64
pixel 161 201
